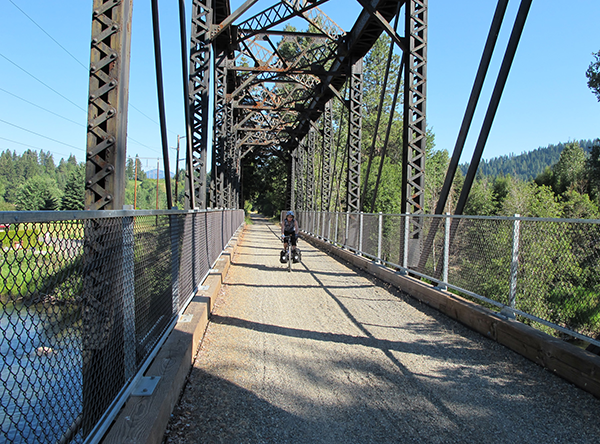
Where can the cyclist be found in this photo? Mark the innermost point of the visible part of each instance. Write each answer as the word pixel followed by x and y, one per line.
pixel 289 227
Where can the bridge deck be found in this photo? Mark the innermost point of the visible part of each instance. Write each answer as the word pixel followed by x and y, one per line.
pixel 328 355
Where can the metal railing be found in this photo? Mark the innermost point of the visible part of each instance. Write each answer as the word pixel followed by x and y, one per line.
pixel 87 298
pixel 543 272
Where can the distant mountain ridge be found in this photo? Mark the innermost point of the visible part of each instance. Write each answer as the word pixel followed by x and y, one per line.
pixel 161 174
pixel 525 166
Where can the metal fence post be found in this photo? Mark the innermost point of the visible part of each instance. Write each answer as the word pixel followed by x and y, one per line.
pixel 442 285
pixel 128 296
pixel 360 233
pixel 379 235
pixel 347 228
pixel 514 263
pixel 406 232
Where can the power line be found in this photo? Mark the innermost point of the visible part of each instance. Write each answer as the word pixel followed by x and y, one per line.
pixel 40 135
pixel 80 63
pixel 49 87
pixel 44 31
pixel 42 108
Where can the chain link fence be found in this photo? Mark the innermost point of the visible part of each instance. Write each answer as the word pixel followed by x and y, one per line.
pixel 543 272
pixel 86 300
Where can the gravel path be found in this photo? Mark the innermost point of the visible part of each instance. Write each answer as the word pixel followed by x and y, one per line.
pixel 328 355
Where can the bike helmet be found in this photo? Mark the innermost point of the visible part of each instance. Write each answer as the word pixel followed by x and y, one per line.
pixel 290 213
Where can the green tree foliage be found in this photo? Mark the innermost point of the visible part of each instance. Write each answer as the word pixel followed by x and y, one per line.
pixel 569 172
pixel 593 75
pixel 593 170
pixel 38 193
pixel 74 196
pixel 32 181
pixel 266 182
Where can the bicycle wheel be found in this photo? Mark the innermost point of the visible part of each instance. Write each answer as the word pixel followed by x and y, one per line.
pixel 289 257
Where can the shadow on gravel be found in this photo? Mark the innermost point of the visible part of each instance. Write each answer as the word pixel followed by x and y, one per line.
pixel 221 412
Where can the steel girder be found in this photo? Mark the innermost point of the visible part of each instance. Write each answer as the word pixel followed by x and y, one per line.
pixel 327 144
pixel 107 106
pixel 200 69
pixel 415 130
pixel 354 138
pixel 103 369
pixel 310 170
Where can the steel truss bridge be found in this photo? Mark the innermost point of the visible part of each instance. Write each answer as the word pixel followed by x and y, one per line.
pixel 254 88
pixel 268 89
pixel 273 89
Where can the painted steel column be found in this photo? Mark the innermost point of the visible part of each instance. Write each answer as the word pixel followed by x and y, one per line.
pixel 310 170
pixel 354 137
pixel 326 154
pixel 415 125
pixel 220 131
pixel 107 106
pixel 102 310
pixel 199 88
pixel 300 191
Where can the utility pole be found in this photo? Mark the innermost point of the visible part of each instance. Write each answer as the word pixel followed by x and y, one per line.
pixel 135 184
pixel 157 168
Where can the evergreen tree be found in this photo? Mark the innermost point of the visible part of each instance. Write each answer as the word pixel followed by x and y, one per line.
pixel 569 171
pixel 74 196
pixel 593 75
pixel 593 171
pixel 38 193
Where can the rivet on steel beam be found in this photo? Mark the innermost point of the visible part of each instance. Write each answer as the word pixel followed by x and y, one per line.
pixel 95 40
pixel 112 82
pixel 108 197
pixel 110 168
pixel 90 153
pixel 89 183
pixel 113 56
pixel 115 27
pixel 111 140
pixel 111 112
pixel 92 96
pixel 96 13
pixel 93 68
pixel 90 125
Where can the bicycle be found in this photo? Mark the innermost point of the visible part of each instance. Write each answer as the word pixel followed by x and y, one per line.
pixel 290 255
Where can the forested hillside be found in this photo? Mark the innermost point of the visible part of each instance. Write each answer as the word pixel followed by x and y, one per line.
pixel 33 181
pixel 525 166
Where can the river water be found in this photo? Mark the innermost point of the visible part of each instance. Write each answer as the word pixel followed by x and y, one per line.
pixel 41 378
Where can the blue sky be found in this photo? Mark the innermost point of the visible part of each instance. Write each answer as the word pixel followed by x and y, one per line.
pixel 44 54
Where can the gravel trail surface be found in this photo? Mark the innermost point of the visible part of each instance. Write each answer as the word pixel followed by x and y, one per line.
pixel 328 355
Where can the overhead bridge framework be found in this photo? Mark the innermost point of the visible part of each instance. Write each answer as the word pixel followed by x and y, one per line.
pixel 273 89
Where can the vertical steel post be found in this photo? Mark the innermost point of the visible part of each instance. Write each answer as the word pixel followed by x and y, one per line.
pixel 514 265
pixel 161 107
pixel 103 316
pixel 446 249
pixel 415 125
pixel 379 236
pixel 128 297
pixel 197 102
pixel 220 131
pixel 360 232
pixel 327 152
pixel 406 236
pixel 354 137
pixel 107 106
